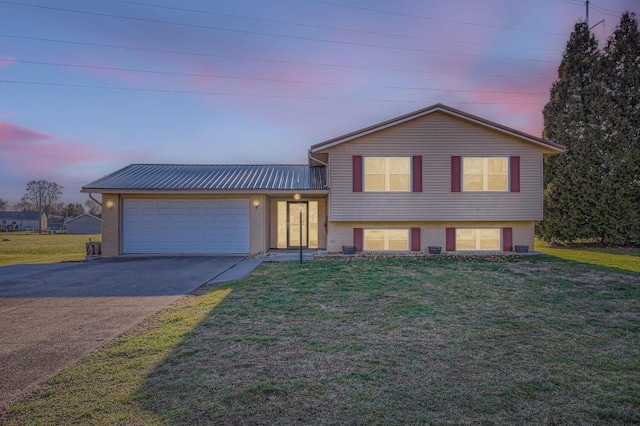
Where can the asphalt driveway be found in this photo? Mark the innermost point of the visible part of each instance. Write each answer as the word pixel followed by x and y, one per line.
pixel 51 315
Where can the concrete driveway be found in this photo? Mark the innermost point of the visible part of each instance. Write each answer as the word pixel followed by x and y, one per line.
pixel 51 315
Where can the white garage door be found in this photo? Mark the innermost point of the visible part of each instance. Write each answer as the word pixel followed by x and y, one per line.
pixel 185 226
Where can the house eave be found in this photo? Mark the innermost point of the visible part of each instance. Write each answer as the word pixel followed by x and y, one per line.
pixel 551 147
pixel 148 191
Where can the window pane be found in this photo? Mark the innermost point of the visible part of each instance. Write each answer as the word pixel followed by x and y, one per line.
pixel 374 165
pixel 399 183
pixel 373 239
pixel 497 165
pixel 465 239
pixel 374 182
pixel 497 182
pixel 472 165
pixel 489 239
pixel 400 165
pixel 313 224
pixel 282 224
pixel 472 182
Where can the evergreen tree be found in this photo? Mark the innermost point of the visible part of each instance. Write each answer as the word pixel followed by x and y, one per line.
pixel 571 118
pixel 593 190
pixel 620 147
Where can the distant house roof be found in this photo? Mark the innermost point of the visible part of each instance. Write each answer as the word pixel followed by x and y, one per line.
pixel 20 215
pixel 144 177
pixel 554 147
pixel 89 215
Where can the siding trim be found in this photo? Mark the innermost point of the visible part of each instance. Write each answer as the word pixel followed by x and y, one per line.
pixel 357 173
pixel 415 239
pixel 417 173
pixel 456 185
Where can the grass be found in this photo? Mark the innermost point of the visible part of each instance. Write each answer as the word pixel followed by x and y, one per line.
pixel 19 247
pixel 622 258
pixel 533 340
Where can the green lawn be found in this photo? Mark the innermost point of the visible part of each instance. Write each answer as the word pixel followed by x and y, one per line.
pixel 19 247
pixel 622 258
pixel 532 340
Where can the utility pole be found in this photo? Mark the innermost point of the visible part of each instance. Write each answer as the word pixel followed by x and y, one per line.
pixel 587 4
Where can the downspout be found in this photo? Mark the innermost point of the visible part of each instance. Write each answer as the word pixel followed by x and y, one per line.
pixel 315 159
pixel 99 203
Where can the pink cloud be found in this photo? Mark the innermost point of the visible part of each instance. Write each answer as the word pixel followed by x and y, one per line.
pixel 6 61
pixel 31 153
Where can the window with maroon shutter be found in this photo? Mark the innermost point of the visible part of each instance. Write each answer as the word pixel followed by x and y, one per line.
pixel 451 239
pixel 455 174
pixel 357 173
pixel 415 239
pixel 417 173
pixel 514 174
pixel 358 239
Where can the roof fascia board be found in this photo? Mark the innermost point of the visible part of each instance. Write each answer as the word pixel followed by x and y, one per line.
pixel 206 191
pixel 438 108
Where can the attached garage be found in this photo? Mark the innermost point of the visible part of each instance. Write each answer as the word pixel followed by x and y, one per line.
pixel 155 226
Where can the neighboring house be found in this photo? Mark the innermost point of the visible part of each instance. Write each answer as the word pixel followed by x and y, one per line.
pixel 434 177
pixel 21 221
pixel 56 223
pixel 84 224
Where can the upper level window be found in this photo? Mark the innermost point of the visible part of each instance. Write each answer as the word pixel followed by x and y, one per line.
pixel 485 173
pixel 387 173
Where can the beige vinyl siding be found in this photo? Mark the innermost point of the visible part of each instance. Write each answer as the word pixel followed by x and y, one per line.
pixel 431 233
pixel 436 137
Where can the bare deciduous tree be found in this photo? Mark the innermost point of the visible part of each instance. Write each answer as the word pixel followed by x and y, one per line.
pixel 42 195
pixel 93 207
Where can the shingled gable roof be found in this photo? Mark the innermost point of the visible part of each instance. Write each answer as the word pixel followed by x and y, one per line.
pixel 429 110
pixel 193 177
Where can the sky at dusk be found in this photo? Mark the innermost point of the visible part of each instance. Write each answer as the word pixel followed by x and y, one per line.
pixel 88 87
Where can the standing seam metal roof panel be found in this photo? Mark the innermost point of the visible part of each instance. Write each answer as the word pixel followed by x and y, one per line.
pixel 211 177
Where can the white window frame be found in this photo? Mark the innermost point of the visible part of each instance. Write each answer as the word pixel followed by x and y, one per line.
pixel 387 169
pixel 386 239
pixel 485 174
pixel 478 239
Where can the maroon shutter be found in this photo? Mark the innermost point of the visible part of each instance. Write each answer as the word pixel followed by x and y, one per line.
pixel 417 173
pixel 358 237
pixel 357 173
pixel 415 239
pixel 507 239
pixel 455 174
pixel 514 174
pixel 451 239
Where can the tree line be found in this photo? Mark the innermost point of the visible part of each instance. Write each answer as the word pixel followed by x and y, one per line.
pixel 45 196
pixel 592 191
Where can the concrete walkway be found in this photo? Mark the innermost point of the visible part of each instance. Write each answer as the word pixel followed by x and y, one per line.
pixel 242 269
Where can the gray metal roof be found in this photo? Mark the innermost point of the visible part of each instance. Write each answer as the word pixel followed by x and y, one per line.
pixel 211 177
pixel 19 215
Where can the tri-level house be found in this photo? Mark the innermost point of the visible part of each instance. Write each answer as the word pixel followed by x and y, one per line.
pixel 434 177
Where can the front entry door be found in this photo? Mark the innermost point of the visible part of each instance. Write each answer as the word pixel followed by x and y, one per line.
pixel 297 218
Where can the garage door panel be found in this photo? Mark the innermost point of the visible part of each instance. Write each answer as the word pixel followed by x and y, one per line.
pixel 186 226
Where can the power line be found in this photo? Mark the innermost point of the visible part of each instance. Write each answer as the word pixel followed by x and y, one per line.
pixel 341 42
pixel 268 79
pixel 212 55
pixel 388 12
pixel 253 95
pixel 351 30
